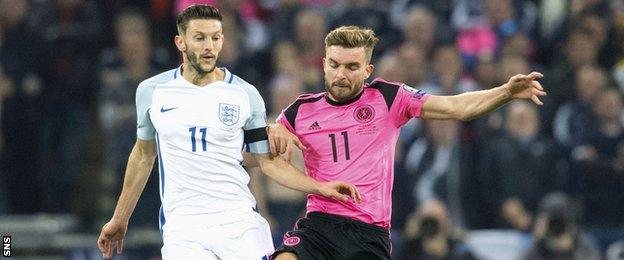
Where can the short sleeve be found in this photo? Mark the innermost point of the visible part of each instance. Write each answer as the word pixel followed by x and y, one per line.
pixel 145 128
pixel 255 128
pixel 408 103
pixel 281 119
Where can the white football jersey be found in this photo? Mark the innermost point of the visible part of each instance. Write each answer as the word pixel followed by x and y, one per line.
pixel 200 133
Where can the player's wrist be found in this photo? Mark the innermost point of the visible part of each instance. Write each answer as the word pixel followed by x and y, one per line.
pixel 120 219
pixel 506 90
pixel 318 188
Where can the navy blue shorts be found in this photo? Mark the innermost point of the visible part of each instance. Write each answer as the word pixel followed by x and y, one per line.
pixel 326 236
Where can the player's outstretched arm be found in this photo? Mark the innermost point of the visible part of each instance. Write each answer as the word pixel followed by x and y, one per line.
pixel 278 169
pixel 470 105
pixel 139 166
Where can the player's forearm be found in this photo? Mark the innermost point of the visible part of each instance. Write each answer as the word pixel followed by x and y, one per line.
pixel 474 104
pixel 137 172
pixel 287 175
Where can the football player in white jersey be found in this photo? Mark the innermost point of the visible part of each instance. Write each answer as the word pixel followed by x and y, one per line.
pixel 196 119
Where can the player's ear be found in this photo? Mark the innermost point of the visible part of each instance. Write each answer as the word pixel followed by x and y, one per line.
pixel 369 70
pixel 179 42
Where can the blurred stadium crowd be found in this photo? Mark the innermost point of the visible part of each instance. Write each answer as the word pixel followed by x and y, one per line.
pixel 551 176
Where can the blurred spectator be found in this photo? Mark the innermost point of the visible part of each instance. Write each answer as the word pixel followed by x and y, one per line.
pixel 122 69
pixel 552 14
pixel 231 58
pixel 251 22
pixel 516 170
pixel 508 17
pixel 413 59
pixel 310 30
pixel 508 66
pixel 419 28
pixel 557 233
pixel 71 30
pixel 518 44
pixel 399 9
pixel 579 8
pixel 282 27
pixel 21 71
pixel 599 28
pixel 448 71
pixel 6 87
pixel 430 234
pixel 615 251
pixel 390 67
pixel 288 77
pixel 575 120
pixel 557 19
pixel 485 26
pixel 484 73
pixel 579 50
pixel 367 13
pixel 476 43
pixel 434 169
pixel 600 164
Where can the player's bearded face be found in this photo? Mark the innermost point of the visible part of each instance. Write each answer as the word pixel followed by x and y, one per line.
pixel 203 41
pixel 205 64
pixel 346 69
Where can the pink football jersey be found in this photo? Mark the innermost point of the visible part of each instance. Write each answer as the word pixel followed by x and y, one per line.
pixel 354 142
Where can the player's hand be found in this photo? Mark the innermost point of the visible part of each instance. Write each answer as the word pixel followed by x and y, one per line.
pixel 340 190
pixel 526 87
pixel 112 237
pixel 281 141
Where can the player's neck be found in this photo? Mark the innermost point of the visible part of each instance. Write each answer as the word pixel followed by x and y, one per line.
pixel 201 79
pixel 332 100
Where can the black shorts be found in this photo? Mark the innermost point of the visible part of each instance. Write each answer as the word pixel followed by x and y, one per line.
pixel 326 236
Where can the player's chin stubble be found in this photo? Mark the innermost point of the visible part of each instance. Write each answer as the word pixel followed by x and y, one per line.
pixel 193 60
pixel 341 94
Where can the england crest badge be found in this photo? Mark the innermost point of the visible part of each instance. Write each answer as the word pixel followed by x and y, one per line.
pixel 228 113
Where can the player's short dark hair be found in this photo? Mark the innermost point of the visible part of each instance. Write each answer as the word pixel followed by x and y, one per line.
pixel 353 37
pixel 197 11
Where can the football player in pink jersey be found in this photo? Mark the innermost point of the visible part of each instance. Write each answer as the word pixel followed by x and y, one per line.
pixel 350 133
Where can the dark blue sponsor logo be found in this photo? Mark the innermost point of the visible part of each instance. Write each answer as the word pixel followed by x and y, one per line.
pixel 163 109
